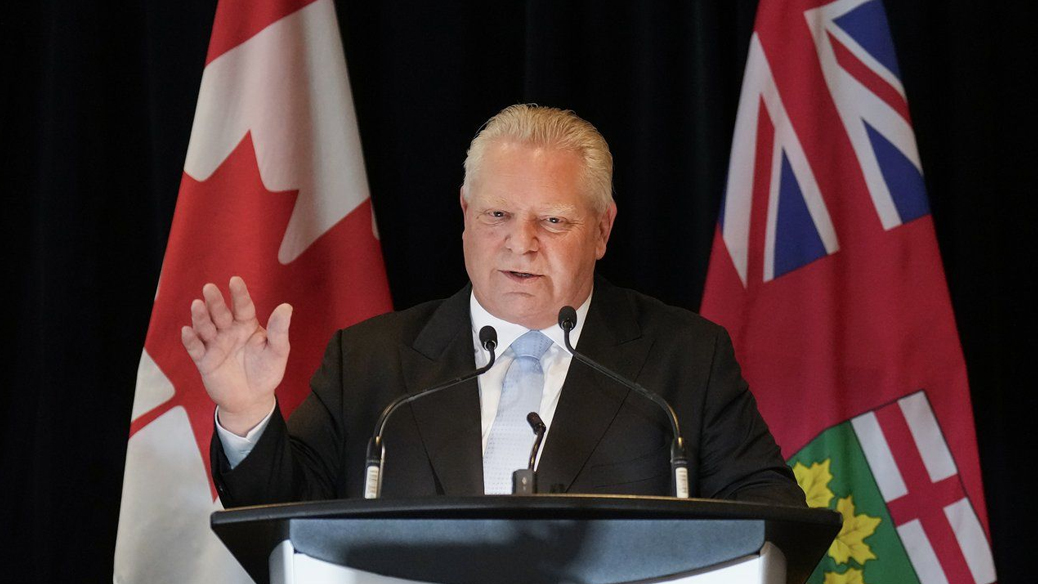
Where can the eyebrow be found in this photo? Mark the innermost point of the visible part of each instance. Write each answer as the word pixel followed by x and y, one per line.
pixel 555 209
pixel 566 210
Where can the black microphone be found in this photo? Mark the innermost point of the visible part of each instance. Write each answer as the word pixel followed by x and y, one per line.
pixel 377 450
pixel 678 457
pixel 524 480
pixel 537 424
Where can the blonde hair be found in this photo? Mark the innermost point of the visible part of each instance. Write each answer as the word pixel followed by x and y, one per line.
pixel 550 128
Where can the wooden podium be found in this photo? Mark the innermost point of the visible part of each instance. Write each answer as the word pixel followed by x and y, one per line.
pixel 543 538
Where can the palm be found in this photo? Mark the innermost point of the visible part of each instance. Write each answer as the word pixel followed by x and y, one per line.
pixel 238 358
pixel 241 363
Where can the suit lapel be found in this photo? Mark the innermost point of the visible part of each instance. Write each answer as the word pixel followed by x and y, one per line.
pixel 589 401
pixel 449 422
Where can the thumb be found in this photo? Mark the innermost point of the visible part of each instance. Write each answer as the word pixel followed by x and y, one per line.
pixel 277 329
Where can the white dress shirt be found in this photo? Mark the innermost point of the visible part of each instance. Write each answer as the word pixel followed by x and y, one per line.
pixel 555 362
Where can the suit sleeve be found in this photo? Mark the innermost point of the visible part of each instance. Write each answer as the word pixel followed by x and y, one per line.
pixel 738 456
pixel 285 465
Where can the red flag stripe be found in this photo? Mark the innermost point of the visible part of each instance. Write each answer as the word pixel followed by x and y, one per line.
pixel 876 84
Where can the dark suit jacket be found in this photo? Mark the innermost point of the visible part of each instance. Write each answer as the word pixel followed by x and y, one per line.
pixel 604 438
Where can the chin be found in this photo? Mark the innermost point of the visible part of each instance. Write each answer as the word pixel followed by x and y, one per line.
pixel 538 319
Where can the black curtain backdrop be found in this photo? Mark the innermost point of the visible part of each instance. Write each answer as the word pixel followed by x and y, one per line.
pixel 98 99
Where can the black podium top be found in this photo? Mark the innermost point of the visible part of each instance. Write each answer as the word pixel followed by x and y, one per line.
pixel 542 538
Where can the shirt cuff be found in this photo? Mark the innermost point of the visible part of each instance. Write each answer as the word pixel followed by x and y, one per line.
pixel 236 447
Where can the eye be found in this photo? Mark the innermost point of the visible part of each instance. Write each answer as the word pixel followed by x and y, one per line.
pixel 556 224
pixel 493 216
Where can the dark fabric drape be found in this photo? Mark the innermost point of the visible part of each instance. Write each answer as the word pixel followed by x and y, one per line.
pixel 97 103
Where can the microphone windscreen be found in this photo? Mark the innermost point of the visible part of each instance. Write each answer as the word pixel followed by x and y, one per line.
pixel 488 335
pixel 535 421
pixel 567 318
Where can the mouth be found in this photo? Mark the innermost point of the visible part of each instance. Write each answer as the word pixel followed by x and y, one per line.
pixel 520 276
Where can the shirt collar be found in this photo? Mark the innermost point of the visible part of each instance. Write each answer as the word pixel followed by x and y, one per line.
pixel 507 332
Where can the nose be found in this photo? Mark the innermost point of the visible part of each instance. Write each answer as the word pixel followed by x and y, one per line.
pixel 523 237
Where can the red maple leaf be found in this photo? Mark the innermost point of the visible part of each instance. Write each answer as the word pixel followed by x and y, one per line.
pixel 229 225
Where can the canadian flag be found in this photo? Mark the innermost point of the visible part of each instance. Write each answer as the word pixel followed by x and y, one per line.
pixel 274 191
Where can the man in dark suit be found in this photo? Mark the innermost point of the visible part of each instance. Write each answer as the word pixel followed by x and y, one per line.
pixel 538 214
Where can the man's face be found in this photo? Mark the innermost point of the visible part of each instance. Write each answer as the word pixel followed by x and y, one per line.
pixel 531 235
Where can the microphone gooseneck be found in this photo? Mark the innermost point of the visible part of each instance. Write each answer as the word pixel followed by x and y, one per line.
pixel 524 480
pixel 678 457
pixel 537 424
pixel 376 453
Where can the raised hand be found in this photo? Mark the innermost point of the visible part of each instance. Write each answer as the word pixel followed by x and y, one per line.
pixel 241 362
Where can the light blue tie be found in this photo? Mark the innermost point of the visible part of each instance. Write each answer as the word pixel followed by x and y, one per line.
pixel 511 438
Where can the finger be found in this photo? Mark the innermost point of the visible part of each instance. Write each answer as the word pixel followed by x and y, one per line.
pixel 201 321
pixel 193 344
pixel 241 303
pixel 277 329
pixel 218 310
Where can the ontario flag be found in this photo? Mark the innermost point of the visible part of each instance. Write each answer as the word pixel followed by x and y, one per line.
pixel 825 270
pixel 274 191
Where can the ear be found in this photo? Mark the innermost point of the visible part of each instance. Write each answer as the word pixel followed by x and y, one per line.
pixel 464 203
pixel 604 228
